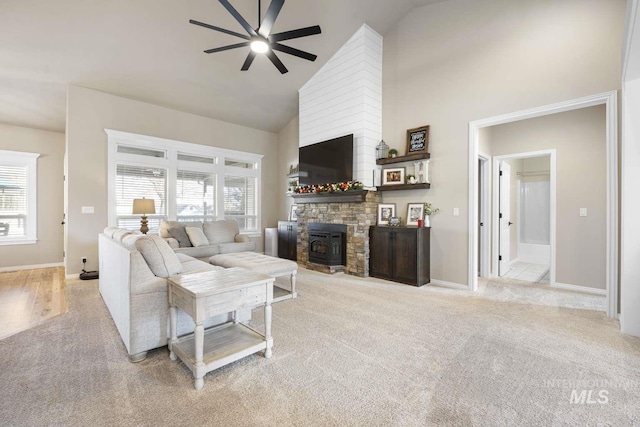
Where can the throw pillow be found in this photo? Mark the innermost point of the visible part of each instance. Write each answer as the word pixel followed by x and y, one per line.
pixel 161 259
pixel 222 231
pixel 196 236
pixel 180 235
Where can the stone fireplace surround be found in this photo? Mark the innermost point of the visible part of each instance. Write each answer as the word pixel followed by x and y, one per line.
pixel 357 216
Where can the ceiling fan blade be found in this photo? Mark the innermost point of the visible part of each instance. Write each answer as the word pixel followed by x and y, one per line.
pixel 222 30
pixel 248 61
pixel 294 34
pixel 270 17
pixel 229 47
pixel 293 51
pixel 238 17
pixel 276 61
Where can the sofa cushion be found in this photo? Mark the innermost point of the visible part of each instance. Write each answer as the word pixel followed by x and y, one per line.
pixel 129 240
pixel 121 233
pixel 109 231
pixel 227 248
pixel 203 252
pixel 196 236
pixel 161 259
pixel 180 235
pixel 223 231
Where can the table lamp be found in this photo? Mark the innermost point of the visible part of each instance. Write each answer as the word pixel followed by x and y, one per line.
pixel 143 207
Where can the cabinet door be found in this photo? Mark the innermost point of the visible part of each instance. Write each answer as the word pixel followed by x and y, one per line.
pixel 283 239
pixel 405 261
pixel 380 252
pixel 293 241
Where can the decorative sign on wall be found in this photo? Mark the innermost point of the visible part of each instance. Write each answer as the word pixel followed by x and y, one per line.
pixel 418 140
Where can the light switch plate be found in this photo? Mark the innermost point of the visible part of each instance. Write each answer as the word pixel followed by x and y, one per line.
pixel 87 209
pixel 583 211
pixel 456 211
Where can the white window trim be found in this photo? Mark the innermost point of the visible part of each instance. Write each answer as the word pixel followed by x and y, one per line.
pixel 28 160
pixel 172 148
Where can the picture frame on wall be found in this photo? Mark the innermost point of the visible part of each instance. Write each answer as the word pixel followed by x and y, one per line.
pixel 385 212
pixel 293 213
pixel 418 140
pixel 415 211
pixel 393 176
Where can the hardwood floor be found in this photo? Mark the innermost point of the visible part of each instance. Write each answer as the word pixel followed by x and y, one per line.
pixel 30 297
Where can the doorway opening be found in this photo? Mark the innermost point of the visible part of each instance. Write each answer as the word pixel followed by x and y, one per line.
pixel 610 211
pixel 524 228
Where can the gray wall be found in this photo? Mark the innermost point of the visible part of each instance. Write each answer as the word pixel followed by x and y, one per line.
pixel 89 112
pixel 579 137
pixel 50 145
pixel 453 62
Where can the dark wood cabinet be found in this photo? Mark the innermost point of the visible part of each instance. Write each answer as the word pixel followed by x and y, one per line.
pixel 400 254
pixel 287 240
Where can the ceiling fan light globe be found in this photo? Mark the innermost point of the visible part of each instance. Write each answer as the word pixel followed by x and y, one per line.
pixel 259 46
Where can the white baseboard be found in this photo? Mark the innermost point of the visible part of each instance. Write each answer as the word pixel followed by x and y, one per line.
pixel 577 288
pixel 72 276
pixel 449 285
pixel 31 267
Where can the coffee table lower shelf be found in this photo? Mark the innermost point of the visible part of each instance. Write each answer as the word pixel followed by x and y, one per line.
pixel 223 344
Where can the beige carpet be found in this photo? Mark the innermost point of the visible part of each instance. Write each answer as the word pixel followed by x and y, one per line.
pixel 348 352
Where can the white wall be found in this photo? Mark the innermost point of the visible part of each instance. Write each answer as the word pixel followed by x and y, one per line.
pixel 630 235
pixel 89 112
pixel 345 97
pixel 50 145
pixel 457 61
pixel 630 158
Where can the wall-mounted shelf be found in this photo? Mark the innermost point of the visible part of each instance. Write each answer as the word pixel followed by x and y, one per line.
pixel 419 186
pixel 400 159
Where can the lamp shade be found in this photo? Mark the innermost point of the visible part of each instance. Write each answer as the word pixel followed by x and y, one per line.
pixel 144 206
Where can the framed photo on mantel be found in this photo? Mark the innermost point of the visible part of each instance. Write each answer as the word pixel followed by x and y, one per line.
pixel 418 140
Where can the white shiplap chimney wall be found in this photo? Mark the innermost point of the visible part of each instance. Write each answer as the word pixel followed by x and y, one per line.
pixel 345 96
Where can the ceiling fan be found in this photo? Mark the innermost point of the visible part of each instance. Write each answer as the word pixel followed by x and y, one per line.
pixel 260 39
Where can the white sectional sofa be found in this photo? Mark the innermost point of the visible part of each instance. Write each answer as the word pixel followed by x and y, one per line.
pixel 133 283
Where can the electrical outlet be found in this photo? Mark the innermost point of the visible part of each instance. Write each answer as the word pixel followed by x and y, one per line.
pixel 84 260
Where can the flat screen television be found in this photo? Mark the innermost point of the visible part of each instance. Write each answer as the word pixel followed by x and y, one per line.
pixel 327 161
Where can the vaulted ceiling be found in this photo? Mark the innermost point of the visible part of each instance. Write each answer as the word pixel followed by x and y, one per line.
pixel 146 50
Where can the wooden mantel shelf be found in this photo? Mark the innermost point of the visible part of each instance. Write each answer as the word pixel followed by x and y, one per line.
pixel 351 196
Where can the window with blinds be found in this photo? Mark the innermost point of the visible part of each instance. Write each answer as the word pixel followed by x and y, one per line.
pixel 13 201
pixel 18 197
pixel 240 201
pixel 136 182
pixel 195 196
pixel 188 182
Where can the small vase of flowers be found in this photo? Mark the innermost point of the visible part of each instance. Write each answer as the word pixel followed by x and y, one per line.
pixel 428 211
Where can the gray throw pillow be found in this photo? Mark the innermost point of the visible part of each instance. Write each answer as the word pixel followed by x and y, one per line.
pixel 180 235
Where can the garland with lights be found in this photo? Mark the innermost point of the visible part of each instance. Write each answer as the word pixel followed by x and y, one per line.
pixel 329 187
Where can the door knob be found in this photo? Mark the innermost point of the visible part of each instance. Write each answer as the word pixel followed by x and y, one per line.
pixel 510 223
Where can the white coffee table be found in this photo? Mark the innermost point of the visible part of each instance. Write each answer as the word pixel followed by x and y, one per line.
pixel 210 293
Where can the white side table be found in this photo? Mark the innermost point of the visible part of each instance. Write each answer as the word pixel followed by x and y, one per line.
pixel 210 293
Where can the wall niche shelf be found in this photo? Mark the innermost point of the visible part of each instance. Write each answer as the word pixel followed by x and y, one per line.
pixel 407 158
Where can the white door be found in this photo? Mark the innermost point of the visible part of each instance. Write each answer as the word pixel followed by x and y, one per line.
pixel 505 218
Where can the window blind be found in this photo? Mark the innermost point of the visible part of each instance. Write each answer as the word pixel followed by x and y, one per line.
pixel 13 201
pixel 136 182
pixel 240 201
pixel 196 195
